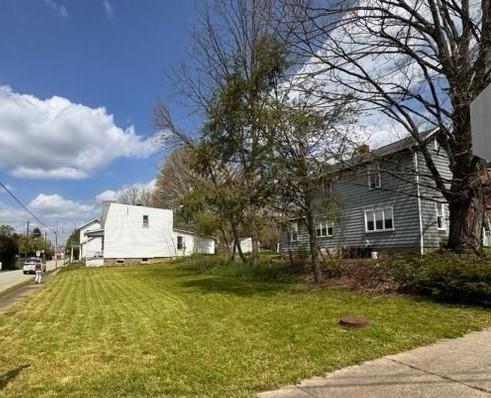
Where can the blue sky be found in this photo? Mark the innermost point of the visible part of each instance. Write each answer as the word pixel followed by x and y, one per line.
pixel 89 55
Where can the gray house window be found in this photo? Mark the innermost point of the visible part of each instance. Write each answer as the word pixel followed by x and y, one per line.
pixel 180 243
pixel 436 145
pixel 145 222
pixel 324 229
pixel 328 186
pixel 374 177
pixel 378 220
pixel 293 232
pixel 440 216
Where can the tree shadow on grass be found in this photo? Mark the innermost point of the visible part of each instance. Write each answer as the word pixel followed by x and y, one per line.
pixel 238 287
pixel 10 375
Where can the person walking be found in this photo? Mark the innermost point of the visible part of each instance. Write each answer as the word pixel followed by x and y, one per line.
pixel 39 271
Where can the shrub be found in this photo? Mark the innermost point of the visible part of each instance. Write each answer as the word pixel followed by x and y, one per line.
pixel 449 277
pixel 361 274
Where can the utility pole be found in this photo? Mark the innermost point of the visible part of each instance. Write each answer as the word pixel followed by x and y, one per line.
pixel 56 246
pixel 26 248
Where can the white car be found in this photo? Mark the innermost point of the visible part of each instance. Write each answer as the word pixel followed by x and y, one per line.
pixel 30 265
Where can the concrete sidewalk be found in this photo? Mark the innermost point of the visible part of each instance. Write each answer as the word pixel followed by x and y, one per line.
pixel 450 368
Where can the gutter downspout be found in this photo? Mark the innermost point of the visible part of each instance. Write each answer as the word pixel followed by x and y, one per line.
pixel 421 237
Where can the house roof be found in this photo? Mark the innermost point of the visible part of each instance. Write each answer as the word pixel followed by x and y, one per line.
pixel 404 143
pixel 386 150
pixel 94 220
pixel 94 233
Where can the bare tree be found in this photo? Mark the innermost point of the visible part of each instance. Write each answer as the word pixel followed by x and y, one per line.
pixel 136 195
pixel 419 63
pixel 234 70
pixel 308 142
pixel 176 179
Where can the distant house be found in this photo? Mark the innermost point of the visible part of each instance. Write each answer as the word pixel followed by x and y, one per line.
pixel 142 234
pixel 90 247
pixel 385 201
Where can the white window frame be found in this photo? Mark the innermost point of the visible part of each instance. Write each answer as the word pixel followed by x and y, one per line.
pixel 145 224
pixel 440 214
pixel 324 227
pixel 293 226
pixel 374 171
pixel 373 212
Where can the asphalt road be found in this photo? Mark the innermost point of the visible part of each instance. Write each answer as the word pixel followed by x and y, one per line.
pixel 12 278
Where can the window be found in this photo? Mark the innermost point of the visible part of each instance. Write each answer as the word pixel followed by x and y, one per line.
pixel 293 232
pixel 379 220
pixel 436 145
pixel 324 229
pixel 440 216
pixel 328 187
pixel 180 243
pixel 374 177
pixel 145 222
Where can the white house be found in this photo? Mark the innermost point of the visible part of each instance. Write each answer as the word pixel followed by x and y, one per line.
pixel 141 234
pixel 246 245
pixel 90 247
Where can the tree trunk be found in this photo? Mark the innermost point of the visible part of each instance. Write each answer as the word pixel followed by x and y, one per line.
pixel 226 243
pixel 234 250
pixel 466 222
pixel 255 243
pixel 314 254
pixel 237 243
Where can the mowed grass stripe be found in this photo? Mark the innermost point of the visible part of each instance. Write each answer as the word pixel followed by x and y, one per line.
pixel 167 331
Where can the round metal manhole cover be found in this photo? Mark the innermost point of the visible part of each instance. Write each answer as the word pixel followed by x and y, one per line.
pixel 353 321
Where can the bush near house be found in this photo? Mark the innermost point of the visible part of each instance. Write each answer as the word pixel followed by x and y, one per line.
pixel 444 276
pixel 448 277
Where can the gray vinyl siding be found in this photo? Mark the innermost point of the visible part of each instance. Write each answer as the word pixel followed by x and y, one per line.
pixel 351 197
pixel 430 196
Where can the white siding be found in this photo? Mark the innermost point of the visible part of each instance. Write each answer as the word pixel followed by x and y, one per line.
pixel 126 237
pixel 246 245
pixel 192 244
pixel 94 262
pixel 204 245
pixel 90 247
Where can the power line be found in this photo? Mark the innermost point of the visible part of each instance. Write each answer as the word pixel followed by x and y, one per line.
pixel 25 207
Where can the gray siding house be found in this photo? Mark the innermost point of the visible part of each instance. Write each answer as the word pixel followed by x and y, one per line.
pixel 385 202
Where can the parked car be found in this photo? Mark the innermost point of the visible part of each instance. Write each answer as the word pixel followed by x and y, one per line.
pixel 30 265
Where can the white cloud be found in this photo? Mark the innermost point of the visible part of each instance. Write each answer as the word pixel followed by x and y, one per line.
pixel 54 210
pixel 59 8
pixel 56 138
pixel 54 206
pixel 109 9
pixel 115 194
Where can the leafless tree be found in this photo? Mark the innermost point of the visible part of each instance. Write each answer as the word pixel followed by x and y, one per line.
pixel 176 178
pixel 233 71
pixel 419 63
pixel 136 195
pixel 308 142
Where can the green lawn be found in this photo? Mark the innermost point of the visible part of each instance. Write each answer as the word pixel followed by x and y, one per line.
pixel 163 330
